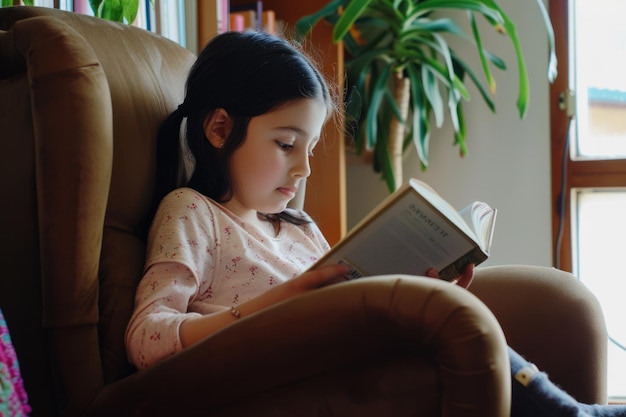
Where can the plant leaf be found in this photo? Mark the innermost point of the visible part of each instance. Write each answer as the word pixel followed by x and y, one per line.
pixel 511 31
pixel 444 50
pixel 130 8
pixel 393 105
pixel 377 95
pixel 305 24
pixel 112 10
pixel 491 82
pixel 481 89
pixel 453 101
pixel 460 135
pixel 359 67
pixel 383 162
pixel 442 73
pixel 350 15
pixel 422 26
pixel 552 63
pixel 420 126
pixel 95 6
pixel 430 87
pixel 494 14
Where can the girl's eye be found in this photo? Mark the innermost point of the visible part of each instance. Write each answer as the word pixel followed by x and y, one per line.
pixel 284 146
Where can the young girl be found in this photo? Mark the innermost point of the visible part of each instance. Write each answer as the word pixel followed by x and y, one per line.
pixel 225 245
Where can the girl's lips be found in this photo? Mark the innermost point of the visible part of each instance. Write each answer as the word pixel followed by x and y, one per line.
pixel 288 191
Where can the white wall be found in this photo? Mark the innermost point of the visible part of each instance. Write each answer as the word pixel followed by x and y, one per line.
pixel 508 164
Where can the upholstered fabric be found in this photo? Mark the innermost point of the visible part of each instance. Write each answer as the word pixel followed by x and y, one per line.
pixel 553 320
pixel 81 100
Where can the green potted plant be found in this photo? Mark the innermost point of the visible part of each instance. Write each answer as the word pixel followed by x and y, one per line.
pixel 115 10
pixel 401 68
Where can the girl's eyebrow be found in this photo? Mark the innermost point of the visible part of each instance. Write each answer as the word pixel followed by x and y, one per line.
pixel 298 131
pixel 294 129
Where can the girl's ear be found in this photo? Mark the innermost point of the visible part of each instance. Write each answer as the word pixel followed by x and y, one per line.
pixel 217 127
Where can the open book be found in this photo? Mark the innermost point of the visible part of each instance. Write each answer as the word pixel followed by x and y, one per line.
pixel 412 230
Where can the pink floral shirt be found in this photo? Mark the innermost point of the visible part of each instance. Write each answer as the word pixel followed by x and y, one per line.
pixel 202 258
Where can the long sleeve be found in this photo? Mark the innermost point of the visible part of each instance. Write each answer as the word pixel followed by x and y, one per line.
pixel 161 304
pixel 201 259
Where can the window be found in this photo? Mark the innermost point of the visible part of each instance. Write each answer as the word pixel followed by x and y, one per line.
pixel 588 113
pixel 169 18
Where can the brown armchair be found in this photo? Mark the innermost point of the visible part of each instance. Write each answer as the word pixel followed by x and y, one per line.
pixel 80 102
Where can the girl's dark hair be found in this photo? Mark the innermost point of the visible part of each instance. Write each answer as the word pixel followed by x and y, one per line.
pixel 247 74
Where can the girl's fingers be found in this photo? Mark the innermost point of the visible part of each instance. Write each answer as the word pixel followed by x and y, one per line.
pixel 432 273
pixel 468 275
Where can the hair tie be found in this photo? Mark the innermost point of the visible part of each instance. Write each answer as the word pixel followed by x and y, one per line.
pixel 180 110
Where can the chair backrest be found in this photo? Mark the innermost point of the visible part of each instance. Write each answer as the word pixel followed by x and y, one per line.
pixel 81 100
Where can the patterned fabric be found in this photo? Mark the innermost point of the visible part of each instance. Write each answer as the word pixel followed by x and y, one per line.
pixel 201 259
pixel 13 399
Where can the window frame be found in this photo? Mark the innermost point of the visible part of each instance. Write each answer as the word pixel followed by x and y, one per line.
pixel 568 174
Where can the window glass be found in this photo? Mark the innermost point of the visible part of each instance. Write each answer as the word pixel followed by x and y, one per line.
pixel 597 46
pixel 600 83
pixel 600 233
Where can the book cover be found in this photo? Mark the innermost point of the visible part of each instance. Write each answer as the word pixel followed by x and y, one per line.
pixel 248 17
pixel 269 22
pixel 413 230
pixel 237 23
pixel 223 13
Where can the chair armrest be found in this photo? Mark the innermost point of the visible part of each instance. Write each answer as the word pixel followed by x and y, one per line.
pixel 373 320
pixel 552 319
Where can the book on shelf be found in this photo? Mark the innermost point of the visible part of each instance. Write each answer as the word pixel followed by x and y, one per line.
pixel 243 20
pixel 415 229
pixel 223 11
pixel 268 22
pixel 252 16
pixel 251 12
pixel 236 22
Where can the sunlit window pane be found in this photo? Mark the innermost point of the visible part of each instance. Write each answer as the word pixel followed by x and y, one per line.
pixel 600 84
pixel 600 239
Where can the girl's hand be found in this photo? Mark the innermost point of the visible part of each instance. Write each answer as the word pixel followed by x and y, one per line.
pixel 306 282
pixel 463 281
pixel 310 280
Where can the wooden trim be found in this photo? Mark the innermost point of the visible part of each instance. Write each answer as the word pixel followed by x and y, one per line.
pixel 574 173
pixel 559 131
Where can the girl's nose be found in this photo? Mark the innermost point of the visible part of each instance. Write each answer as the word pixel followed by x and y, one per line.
pixel 302 168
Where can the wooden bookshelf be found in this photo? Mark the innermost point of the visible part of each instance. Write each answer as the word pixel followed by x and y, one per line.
pixel 326 189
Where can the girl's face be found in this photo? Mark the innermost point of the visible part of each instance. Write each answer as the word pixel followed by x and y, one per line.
pixel 273 161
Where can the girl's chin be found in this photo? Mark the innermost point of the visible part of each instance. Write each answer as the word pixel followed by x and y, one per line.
pixel 281 209
pixel 275 209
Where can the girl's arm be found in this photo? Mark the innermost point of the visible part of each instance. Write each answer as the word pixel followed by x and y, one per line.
pixel 196 328
pixel 161 304
pixel 161 326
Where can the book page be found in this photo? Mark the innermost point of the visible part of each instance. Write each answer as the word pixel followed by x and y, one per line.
pixel 462 222
pixel 408 237
pixel 481 218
